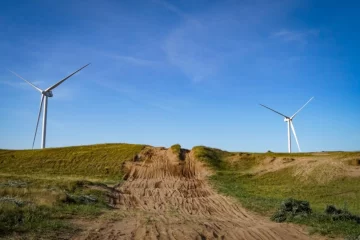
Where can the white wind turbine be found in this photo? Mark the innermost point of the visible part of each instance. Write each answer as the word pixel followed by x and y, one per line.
pixel 290 124
pixel 45 94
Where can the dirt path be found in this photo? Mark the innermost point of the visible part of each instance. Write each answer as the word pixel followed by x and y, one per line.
pixel 167 198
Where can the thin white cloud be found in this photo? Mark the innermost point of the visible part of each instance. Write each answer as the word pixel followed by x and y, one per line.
pixel 171 7
pixel 295 36
pixel 143 97
pixel 136 61
pixel 133 60
pixel 177 11
pixel 61 94
pixel 182 49
pixel 64 94
pixel 230 31
pixel 196 61
pixel 20 83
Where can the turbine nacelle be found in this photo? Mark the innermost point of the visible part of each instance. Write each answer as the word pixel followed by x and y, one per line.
pixel 47 93
pixel 286 119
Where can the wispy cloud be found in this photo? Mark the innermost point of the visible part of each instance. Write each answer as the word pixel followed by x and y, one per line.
pixel 230 33
pixel 182 52
pixel 197 63
pixel 61 94
pixel 134 60
pixel 20 83
pixel 295 36
pixel 64 94
pixel 146 98
pixel 177 11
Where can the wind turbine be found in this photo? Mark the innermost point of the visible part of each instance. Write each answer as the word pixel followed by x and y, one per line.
pixel 45 94
pixel 290 124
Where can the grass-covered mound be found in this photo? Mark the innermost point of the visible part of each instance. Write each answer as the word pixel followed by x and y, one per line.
pixel 93 161
pixel 176 149
pixel 41 191
pixel 264 192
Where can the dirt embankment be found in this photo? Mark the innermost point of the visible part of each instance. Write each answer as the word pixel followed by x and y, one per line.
pixel 319 168
pixel 167 198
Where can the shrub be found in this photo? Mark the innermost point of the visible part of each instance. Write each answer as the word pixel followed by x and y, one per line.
pixel 341 214
pixel 291 208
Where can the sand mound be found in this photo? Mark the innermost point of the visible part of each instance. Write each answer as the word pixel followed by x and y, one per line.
pixel 167 198
pixel 320 169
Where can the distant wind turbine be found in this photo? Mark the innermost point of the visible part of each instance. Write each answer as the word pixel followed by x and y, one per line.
pixel 45 94
pixel 290 124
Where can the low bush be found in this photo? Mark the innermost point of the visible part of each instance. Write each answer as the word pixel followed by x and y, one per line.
pixel 292 208
pixel 341 214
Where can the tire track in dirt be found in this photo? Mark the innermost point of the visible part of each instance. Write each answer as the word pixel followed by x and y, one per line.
pixel 167 198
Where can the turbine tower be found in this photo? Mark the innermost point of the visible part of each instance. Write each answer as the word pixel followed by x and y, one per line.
pixel 290 124
pixel 45 94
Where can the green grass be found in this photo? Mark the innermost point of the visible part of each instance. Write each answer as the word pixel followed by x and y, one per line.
pixel 214 157
pixel 95 161
pixel 176 149
pixel 264 193
pixel 30 220
pixel 42 207
pixel 41 190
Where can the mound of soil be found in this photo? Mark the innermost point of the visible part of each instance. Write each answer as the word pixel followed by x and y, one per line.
pixel 164 197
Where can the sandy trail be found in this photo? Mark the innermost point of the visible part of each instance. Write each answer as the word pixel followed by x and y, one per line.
pixel 167 198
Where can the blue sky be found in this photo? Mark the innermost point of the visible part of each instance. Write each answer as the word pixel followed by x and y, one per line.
pixel 188 72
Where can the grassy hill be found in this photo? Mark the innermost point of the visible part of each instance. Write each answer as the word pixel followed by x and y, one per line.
pixel 246 176
pixel 101 161
pixel 42 191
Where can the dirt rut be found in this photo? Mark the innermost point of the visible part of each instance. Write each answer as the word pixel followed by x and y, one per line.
pixel 167 198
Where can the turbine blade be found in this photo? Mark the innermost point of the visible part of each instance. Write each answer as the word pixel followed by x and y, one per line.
pixel 37 123
pixel 25 80
pixel 293 129
pixel 61 81
pixel 274 111
pixel 301 108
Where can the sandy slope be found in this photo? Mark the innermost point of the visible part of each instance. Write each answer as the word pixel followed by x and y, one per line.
pixel 167 198
pixel 319 167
